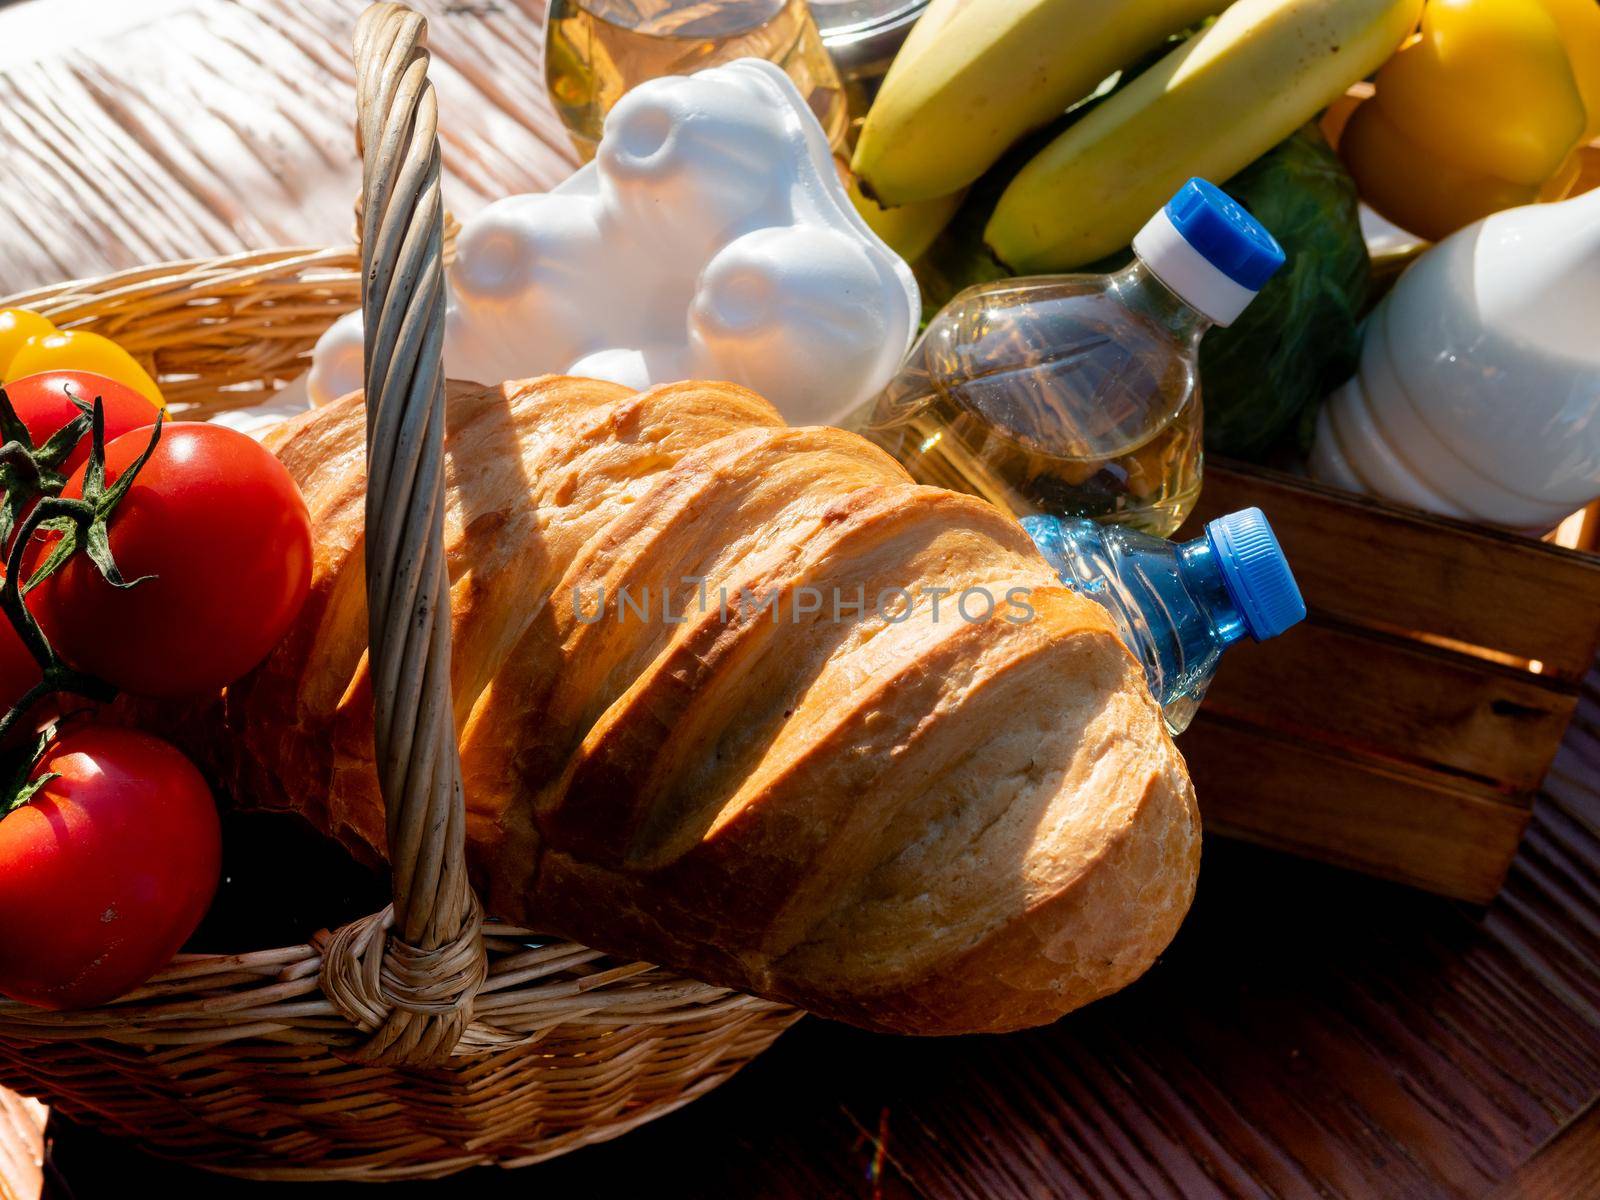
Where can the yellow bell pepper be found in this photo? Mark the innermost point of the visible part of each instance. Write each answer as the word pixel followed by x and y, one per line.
pixel 17 325
pixel 1579 22
pixel 1482 111
pixel 80 350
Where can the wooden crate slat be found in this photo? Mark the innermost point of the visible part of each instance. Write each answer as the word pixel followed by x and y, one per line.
pixel 1342 686
pixel 1368 562
pixel 1355 812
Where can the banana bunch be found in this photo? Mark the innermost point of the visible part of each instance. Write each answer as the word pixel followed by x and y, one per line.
pixel 976 75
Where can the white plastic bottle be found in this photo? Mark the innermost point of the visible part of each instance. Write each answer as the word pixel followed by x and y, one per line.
pixel 1478 393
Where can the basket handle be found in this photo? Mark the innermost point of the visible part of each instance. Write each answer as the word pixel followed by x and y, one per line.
pixel 432 957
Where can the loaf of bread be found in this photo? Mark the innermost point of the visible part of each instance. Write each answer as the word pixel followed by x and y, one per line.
pixel 719 709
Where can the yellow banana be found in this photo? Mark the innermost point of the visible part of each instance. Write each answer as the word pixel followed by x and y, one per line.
pixel 975 75
pixel 1216 103
pixel 909 229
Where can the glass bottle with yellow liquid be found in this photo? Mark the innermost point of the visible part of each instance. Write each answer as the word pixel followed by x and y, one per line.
pixel 1079 395
pixel 595 50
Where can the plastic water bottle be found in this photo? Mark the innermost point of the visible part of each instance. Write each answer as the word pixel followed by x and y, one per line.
pixel 1079 395
pixel 1178 606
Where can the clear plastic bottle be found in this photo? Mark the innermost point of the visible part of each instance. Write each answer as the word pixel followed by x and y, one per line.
pixel 1079 395
pixel 1178 606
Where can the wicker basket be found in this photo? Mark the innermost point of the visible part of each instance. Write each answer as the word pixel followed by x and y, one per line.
pixel 420 1040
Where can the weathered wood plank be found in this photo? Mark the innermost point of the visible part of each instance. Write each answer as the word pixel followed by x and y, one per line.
pixel 21 1147
pixel 200 127
pixel 1341 686
pixel 1366 562
pixel 1567 1167
pixel 1352 810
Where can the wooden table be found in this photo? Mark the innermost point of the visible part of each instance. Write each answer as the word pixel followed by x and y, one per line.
pixel 1309 1034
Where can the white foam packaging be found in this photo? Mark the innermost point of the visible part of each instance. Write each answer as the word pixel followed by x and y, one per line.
pixel 711 238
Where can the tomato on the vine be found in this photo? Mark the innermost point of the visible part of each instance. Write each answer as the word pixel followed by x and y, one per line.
pixel 18 670
pixel 105 870
pixel 44 403
pixel 216 534
pixel 18 673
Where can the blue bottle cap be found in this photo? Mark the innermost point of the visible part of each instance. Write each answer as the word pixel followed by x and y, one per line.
pixel 1228 237
pixel 1208 250
pixel 1256 573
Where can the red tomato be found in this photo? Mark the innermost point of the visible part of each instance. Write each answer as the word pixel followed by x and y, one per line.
pixel 105 871
pixel 44 403
pixel 18 671
pixel 220 527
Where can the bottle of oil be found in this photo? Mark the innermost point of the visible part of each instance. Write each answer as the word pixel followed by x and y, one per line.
pixel 1079 395
pixel 596 50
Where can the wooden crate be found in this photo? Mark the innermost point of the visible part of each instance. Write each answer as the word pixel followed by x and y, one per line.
pixel 1404 728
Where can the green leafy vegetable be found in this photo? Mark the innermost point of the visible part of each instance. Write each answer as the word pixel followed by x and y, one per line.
pixel 1264 376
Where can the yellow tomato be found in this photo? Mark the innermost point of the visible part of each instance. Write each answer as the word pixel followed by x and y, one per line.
pixel 17 325
pixel 80 350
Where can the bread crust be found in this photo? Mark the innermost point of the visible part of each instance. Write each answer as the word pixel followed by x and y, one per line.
pixel 910 823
